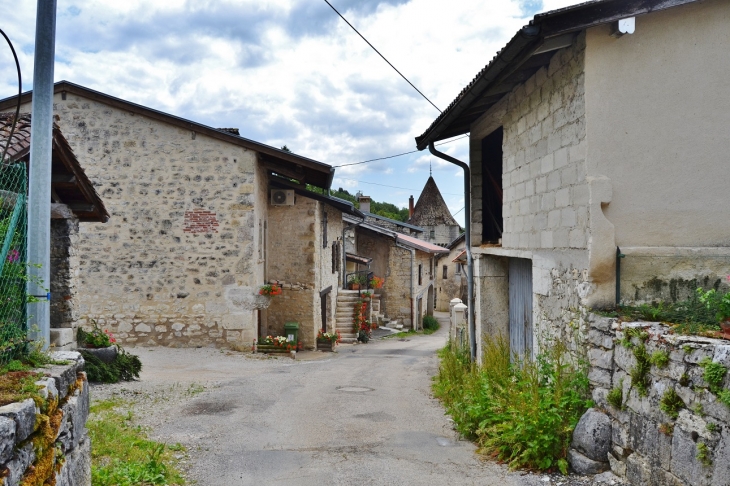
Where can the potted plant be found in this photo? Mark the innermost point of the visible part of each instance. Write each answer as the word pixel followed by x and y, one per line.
pixel 275 344
pixel 356 281
pixel 366 296
pixel 100 343
pixel 326 341
pixel 377 282
pixel 270 290
pixel 361 323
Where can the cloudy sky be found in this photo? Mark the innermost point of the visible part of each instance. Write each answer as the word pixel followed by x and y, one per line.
pixel 287 71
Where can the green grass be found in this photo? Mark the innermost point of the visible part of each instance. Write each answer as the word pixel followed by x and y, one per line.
pixel 122 455
pixel 522 413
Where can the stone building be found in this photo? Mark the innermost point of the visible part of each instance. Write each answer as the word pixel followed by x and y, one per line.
pixel 593 139
pixel 408 266
pixel 432 214
pixel 451 274
pixel 390 224
pixel 73 200
pixel 199 221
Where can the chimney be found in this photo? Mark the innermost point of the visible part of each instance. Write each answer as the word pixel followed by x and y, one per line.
pixel 410 207
pixel 364 203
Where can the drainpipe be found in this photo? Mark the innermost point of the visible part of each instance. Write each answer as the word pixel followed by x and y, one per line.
pixel 467 237
pixel 413 289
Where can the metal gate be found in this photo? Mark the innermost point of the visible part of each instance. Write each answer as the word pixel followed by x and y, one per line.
pixel 520 307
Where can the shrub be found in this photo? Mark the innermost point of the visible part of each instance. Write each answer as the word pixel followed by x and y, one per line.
pixel 124 367
pixel 430 323
pixel 522 412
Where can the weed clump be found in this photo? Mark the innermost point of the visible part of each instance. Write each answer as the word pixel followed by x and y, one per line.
pixel 671 403
pixel 522 412
pixel 430 323
pixel 615 398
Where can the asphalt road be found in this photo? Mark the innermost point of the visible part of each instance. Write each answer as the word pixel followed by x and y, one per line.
pixel 361 416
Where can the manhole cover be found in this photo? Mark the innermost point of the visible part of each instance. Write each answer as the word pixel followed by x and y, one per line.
pixel 354 389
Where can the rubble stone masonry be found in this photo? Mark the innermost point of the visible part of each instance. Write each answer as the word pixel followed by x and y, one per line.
pixel 178 263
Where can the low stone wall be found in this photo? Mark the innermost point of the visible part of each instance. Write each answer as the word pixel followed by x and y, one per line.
pixel 47 442
pixel 672 430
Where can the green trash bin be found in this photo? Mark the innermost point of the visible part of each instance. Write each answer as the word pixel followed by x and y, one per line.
pixel 291 329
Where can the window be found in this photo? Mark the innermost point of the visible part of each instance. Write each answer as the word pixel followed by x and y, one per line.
pixel 432 234
pixel 458 269
pixel 446 272
pixel 420 274
pixel 492 221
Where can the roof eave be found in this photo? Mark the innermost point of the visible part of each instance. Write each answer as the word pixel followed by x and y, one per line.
pixel 325 171
pixel 527 41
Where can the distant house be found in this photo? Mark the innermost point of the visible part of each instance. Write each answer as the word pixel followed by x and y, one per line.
pixel 595 142
pixel 73 200
pixel 432 214
pixel 406 228
pixel 406 263
pixel 201 219
pixel 450 280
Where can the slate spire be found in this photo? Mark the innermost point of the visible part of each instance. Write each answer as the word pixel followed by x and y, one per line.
pixel 431 209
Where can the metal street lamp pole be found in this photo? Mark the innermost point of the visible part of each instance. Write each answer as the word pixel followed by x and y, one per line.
pixel 39 190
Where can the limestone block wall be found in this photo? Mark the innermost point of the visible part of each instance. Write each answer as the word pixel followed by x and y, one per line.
pixel 545 203
pixel 648 445
pixel 49 444
pixel 178 263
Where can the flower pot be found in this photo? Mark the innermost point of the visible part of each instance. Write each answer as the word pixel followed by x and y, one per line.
pixel 326 345
pixel 354 286
pixel 270 348
pixel 106 355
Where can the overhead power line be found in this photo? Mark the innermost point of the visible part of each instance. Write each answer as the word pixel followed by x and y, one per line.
pixel 397 155
pixel 393 187
pixel 384 59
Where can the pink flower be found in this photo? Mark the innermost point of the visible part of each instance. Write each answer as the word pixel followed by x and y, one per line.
pixel 13 256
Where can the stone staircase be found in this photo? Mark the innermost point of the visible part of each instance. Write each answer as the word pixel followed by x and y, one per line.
pixel 345 310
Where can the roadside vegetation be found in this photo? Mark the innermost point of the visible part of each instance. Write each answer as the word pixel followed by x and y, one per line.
pixel 122 455
pixel 698 315
pixel 519 412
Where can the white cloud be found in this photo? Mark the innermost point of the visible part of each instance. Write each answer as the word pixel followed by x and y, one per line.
pixel 286 71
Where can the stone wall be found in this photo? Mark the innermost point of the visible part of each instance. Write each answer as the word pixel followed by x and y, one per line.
pixel 671 274
pixel 648 446
pixel 442 234
pixel 454 285
pixel 26 455
pixel 300 256
pixel 178 263
pixel 64 268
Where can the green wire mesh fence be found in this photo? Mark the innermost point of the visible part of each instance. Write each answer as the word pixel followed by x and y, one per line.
pixel 13 268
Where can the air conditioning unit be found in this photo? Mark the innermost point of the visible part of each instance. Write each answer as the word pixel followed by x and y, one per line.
pixel 282 197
